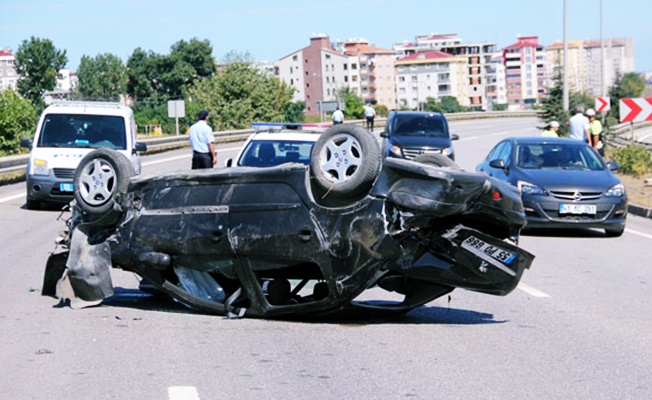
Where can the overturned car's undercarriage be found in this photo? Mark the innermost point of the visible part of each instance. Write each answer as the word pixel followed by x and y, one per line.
pixel 293 240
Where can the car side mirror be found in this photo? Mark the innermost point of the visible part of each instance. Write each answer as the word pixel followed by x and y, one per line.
pixel 228 162
pixel 141 147
pixel 384 134
pixel 455 137
pixel 499 164
pixel 612 165
pixel 26 143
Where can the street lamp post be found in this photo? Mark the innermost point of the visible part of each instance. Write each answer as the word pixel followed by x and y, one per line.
pixel 565 58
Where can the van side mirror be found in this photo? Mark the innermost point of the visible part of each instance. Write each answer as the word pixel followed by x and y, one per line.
pixel 141 147
pixel 454 136
pixel 26 143
pixel 384 134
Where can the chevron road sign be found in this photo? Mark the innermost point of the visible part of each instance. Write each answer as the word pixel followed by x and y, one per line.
pixel 636 110
pixel 602 104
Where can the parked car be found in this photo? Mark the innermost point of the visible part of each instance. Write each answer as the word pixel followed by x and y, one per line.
pixel 564 183
pixel 65 133
pixel 294 240
pixel 273 144
pixel 409 134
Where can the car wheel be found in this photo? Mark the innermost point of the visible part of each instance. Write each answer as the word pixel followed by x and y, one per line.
pixel 33 204
pixel 100 175
pixel 614 232
pixel 437 160
pixel 345 160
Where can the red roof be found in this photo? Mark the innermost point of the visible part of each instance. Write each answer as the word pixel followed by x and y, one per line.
pixel 4 53
pixel 426 55
pixel 525 41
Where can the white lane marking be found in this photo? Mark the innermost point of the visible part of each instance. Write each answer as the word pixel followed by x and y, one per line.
pixel 164 160
pixel 484 136
pixel 645 235
pixel 532 291
pixel 13 197
pixel 183 393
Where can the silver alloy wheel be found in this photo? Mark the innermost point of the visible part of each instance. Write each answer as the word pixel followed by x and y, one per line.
pixel 97 182
pixel 340 158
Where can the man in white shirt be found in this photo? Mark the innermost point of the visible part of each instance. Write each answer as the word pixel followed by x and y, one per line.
pixel 338 116
pixel 202 143
pixel 580 125
pixel 370 114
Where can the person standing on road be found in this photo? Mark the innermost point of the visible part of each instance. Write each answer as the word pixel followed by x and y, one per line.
pixel 579 125
pixel 202 143
pixel 370 114
pixel 338 117
pixel 595 127
pixel 552 131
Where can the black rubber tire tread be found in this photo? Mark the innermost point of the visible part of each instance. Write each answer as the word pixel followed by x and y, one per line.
pixel 366 173
pixel 437 160
pixel 123 170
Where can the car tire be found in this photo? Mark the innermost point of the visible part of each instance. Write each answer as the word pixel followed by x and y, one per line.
pixel 33 204
pixel 100 175
pixel 345 161
pixel 614 232
pixel 437 160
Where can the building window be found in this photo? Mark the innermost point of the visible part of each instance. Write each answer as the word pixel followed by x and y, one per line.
pixel 354 78
pixel 354 66
pixel 346 79
pixel 326 66
pixel 328 92
pixel 346 66
pixel 328 56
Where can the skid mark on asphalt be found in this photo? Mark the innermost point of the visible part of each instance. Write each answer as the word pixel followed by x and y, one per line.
pixel 532 291
pixel 183 393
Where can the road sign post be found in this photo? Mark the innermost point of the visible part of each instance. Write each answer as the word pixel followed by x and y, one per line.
pixel 176 110
pixel 636 110
pixel 602 104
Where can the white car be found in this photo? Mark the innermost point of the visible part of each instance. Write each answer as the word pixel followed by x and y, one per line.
pixel 274 144
pixel 66 132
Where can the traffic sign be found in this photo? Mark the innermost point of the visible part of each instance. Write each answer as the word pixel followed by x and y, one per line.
pixel 602 104
pixel 636 110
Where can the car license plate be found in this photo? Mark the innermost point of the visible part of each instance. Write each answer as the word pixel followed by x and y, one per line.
pixel 577 209
pixel 66 187
pixel 478 246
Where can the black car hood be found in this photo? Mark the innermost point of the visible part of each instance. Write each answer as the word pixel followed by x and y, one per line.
pixel 559 179
pixel 421 141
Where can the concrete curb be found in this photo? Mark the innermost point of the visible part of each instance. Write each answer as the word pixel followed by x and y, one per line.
pixel 641 211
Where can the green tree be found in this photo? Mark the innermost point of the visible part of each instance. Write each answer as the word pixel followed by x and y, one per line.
pixel 17 121
pixel 241 94
pixel 140 72
pixel 38 63
pixel 196 53
pixel 294 112
pixel 448 104
pixel 630 85
pixel 102 78
pixel 353 105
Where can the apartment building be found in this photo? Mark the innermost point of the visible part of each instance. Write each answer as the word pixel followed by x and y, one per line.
pixel 424 43
pixel 525 72
pixel 496 91
pixel 8 74
pixel 431 74
pixel 317 73
pixel 576 61
pixel 377 81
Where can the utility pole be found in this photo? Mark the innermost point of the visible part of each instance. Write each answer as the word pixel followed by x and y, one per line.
pixel 565 57
pixel 603 49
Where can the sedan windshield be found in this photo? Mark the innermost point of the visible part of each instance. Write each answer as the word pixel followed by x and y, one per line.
pixel 566 156
pixel 268 153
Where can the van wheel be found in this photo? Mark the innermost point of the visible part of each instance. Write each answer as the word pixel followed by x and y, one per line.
pixel 437 160
pixel 345 160
pixel 100 175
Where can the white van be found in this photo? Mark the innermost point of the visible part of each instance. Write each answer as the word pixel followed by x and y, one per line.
pixel 65 133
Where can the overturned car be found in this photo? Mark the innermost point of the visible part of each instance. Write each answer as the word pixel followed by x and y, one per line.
pixel 293 240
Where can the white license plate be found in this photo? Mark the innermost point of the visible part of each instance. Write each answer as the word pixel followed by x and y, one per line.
pixel 577 209
pixel 66 187
pixel 478 246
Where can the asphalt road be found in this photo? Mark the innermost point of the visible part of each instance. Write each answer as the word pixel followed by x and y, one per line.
pixel 578 327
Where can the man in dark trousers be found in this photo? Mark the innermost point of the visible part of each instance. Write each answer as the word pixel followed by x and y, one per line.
pixel 202 143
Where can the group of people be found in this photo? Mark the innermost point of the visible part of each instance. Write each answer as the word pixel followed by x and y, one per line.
pixel 582 126
pixel 369 114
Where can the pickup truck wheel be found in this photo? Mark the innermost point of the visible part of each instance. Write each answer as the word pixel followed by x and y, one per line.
pixel 345 160
pixel 100 175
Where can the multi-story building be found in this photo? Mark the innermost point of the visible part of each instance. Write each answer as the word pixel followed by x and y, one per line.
pixel 377 75
pixel 8 74
pixel 431 74
pixel 426 43
pixel 525 72
pixel 317 73
pixel 496 91
pixel 575 59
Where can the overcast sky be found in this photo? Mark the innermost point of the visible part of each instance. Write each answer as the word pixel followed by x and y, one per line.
pixel 272 29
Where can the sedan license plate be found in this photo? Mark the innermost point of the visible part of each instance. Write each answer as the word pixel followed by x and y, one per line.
pixel 577 209
pixel 478 246
pixel 66 187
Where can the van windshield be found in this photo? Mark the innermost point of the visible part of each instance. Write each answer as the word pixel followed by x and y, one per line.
pixel 420 125
pixel 75 130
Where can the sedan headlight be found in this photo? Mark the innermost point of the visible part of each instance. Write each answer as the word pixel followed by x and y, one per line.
pixel 530 189
pixel 616 191
pixel 40 167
